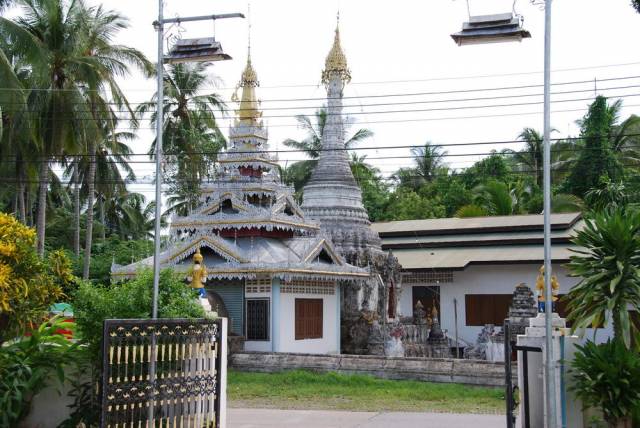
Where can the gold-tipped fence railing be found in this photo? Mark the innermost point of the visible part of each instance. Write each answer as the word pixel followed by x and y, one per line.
pixel 161 373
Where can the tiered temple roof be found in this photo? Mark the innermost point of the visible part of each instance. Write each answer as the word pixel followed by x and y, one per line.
pixel 248 224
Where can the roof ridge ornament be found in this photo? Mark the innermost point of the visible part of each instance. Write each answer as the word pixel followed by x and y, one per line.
pixel 336 62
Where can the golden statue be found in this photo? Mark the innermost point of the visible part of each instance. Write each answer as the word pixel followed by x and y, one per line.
pixel 198 273
pixel 555 287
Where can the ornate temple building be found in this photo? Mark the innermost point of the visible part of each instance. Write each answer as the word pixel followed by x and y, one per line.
pixel 333 197
pixel 273 271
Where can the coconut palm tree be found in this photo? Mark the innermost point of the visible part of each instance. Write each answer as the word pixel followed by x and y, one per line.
pixel 47 36
pixel 111 161
pixel 428 160
pixel 192 137
pixel 106 62
pixel 73 59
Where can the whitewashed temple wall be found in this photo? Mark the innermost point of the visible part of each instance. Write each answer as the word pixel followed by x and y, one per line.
pixel 488 279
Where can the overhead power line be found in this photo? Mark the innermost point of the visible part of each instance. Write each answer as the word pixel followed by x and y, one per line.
pixel 411 146
pixel 358 177
pixel 102 111
pixel 169 156
pixel 350 114
pixel 388 95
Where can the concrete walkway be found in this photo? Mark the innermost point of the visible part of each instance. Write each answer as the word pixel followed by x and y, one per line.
pixel 270 418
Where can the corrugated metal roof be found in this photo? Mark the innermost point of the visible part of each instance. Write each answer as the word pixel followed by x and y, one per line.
pixel 459 258
pixel 477 238
pixel 460 225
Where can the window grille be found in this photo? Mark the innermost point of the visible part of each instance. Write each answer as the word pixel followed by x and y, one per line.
pixel 257 324
pixel 428 277
pixel 308 322
pixel 309 287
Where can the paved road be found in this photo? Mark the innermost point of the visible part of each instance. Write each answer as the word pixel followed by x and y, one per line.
pixel 269 418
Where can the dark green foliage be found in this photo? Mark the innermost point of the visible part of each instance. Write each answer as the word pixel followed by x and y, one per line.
pixel 493 167
pixel 636 5
pixel 607 377
pixel 408 205
pixel 608 195
pixel 93 304
pixel 608 265
pixel 27 366
pixel 596 158
pixel 115 250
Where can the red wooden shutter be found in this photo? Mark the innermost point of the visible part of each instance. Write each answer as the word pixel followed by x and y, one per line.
pixel 308 319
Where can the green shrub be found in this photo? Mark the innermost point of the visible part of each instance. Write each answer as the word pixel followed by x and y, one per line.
pixel 132 299
pixel 607 377
pixel 27 365
pixel 129 300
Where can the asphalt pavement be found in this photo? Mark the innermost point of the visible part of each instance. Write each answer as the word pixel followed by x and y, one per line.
pixel 272 418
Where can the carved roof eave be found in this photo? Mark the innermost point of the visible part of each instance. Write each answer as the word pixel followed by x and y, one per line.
pixel 270 223
pixel 204 230
pixel 207 209
pixel 221 247
pixel 245 187
pixel 326 245
pixel 281 204
pixel 254 161
pixel 252 270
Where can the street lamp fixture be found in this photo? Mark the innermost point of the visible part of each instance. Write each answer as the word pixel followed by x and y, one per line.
pixel 504 27
pixel 196 50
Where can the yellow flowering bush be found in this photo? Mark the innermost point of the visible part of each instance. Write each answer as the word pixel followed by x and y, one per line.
pixel 28 284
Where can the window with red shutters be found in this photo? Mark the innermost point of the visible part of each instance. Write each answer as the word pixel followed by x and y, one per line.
pixel 481 309
pixel 308 319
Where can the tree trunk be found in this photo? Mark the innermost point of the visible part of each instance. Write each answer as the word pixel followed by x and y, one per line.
pixel 22 213
pixel 102 219
pixel 42 206
pixel 76 210
pixel 90 199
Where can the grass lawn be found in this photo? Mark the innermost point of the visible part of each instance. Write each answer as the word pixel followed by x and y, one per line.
pixel 302 389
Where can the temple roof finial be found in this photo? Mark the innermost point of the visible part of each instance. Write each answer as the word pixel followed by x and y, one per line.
pixel 336 62
pixel 248 111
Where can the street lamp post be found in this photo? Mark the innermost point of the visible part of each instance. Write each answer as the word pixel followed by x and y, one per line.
pixel 498 28
pixel 551 396
pixel 216 54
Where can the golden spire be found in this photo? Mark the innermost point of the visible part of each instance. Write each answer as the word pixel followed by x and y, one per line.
pixel 336 62
pixel 248 111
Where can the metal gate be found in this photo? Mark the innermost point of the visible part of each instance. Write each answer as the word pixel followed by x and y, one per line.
pixel 164 372
pixel 512 393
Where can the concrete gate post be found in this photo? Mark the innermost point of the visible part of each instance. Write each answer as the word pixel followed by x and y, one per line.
pixel 569 413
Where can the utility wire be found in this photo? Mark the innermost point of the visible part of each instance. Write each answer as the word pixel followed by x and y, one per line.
pixel 476 143
pixel 205 182
pixel 170 161
pixel 361 113
pixel 389 95
pixel 316 107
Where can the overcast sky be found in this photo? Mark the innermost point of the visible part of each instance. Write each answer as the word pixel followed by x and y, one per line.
pixel 402 47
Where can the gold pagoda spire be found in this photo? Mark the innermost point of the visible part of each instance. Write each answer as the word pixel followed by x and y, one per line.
pixel 248 111
pixel 336 62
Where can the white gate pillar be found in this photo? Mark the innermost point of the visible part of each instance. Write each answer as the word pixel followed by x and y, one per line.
pixel 569 414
